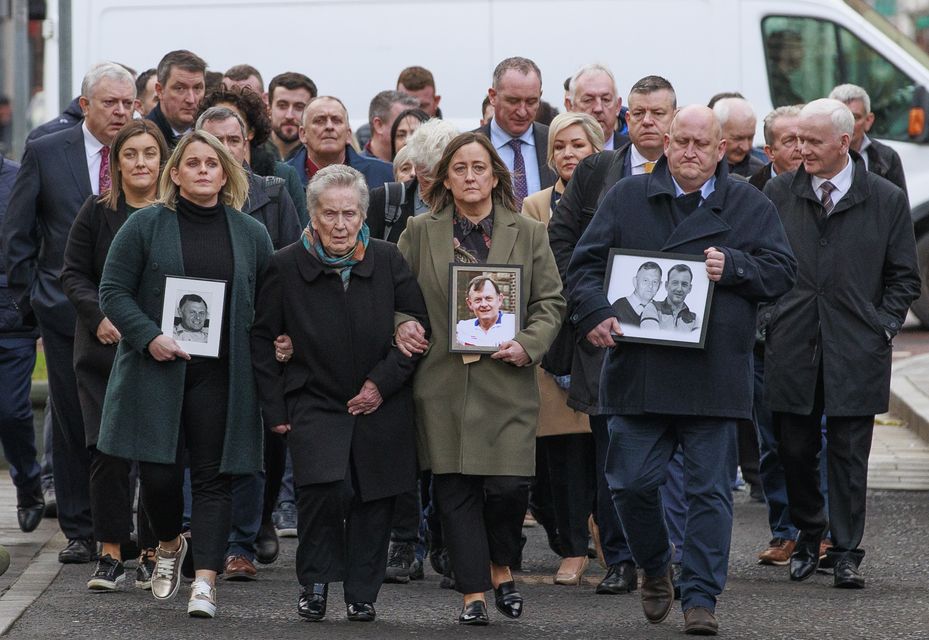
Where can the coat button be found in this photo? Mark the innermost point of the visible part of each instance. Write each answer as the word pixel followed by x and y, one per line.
pixel 821 291
pixel 574 318
pixel 740 271
pixel 156 291
pixel 767 316
pixel 154 266
pixel 893 325
pixel 823 242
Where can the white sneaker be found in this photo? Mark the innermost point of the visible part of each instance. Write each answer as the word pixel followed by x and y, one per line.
pixel 167 576
pixel 202 599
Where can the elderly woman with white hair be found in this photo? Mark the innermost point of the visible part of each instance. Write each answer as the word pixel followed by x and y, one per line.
pixel 345 398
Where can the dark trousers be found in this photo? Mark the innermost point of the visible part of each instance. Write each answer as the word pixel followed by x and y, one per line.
pixel 111 496
pixel 275 460
pixel 748 451
pixel 342 539
pixel 612 537
pixel 408 517
pixel 572 482
pixel 72 458
pixel 637 466
pixel 482 519
pixel 849 440
pixel 203 429
pixel 17 435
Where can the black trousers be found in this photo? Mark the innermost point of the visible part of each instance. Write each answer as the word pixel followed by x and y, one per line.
pixel 71 468
pixel 572 481
pixel 409 516
pixel 482 519
pixel 203 429
pixel 342 539
pixel 541 501
pixel 799 442
pixel 749 453
pixel 275 458
pixel 111 493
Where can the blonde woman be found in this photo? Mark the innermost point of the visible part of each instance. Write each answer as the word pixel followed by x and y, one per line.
pixel 202 411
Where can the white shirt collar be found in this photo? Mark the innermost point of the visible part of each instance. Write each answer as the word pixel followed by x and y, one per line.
pixel 773 170
pixel 501 138
pixel 708 187
pixel 637 160
pixel 865 143
pixel 842 181
pixel 91 145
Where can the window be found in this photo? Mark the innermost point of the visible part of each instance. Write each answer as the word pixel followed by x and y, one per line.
pixel 807 57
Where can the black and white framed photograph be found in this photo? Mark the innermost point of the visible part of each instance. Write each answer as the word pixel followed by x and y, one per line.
pixel 484 306
pixel 660 298
pixel 192 314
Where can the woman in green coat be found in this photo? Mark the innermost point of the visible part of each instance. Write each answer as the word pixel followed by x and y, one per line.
pixel 164 407
pixel 477 414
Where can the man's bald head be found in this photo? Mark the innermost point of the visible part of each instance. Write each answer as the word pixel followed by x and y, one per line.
pixel 698 113
pixel 694 146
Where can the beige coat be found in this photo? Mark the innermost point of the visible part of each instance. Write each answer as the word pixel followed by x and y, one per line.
pixel 480 418
pixel 556 417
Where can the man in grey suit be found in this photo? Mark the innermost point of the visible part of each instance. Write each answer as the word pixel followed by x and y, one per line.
pixel 521 142
pixel 59 172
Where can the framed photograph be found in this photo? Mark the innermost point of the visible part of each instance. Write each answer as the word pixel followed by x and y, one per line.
pixel 192 314
pixel 484 306
pixel 660 298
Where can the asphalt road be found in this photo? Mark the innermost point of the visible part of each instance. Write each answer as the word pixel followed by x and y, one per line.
pixel 759 602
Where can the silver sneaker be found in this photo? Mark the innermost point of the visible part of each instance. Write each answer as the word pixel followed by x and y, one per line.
pixel 202 602
pixel 167 576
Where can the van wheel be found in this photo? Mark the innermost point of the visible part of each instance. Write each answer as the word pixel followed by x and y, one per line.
pixel 921 306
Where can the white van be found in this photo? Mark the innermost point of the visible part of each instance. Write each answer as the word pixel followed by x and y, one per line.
pixel 772 51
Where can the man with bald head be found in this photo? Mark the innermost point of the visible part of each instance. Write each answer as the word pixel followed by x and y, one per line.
pixel 688 204
pixel 737 119
pixel 828 344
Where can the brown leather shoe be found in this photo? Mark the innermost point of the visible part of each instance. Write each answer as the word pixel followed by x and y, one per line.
pixel 778 552
pixel 239 568
pixel 700 621
pixel 657 596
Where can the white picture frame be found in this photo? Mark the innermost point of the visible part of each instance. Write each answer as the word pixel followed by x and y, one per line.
pixel 192 314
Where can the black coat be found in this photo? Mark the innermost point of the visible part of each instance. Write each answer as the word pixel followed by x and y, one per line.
pixel 85 254
pixel 341 338
pixel 857 277
pixel 11 322
pixel 886 163
pixel 376 212
pixel 593 177
pixel 715 381
pixel 278 214
pixel 156 116
pixel 761 177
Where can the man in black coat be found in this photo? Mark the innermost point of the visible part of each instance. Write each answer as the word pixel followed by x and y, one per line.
pixel 878 157
pixel 660 397
pixel 828 341
pixel 59 172
pixel 180 88
pixel 652 102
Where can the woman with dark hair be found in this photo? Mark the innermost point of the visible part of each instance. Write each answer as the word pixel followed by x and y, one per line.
pixel 260 154
pixel 403 127
pixel 201 410
pixel 477 414
pixel 136 156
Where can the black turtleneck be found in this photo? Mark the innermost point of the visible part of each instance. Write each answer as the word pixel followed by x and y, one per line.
pixel 207 250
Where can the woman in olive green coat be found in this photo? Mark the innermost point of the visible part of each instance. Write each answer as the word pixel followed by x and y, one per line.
pixel 477 415
pixel 164 407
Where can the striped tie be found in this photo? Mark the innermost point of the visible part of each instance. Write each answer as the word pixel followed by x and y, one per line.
pixel 520 186
pixel 826 199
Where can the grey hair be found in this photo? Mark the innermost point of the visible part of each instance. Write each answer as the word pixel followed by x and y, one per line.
pixel 219 114
pixel 841 116
pixel 109 70
pixel 427 143
pixel 845 93
pixel 337 175
pixel 596 67
pixel 382 103
pixel 727 107
pixel 524 65
pixel 788 111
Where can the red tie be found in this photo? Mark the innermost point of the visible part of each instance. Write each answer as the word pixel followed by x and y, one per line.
pixel 104 170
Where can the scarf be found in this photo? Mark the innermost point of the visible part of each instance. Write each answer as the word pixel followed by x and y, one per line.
pixel 342 264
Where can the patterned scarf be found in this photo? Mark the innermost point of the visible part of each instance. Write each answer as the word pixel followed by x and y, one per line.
pixel 342 264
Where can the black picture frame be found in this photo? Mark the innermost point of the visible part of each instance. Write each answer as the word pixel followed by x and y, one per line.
pixel 661 321
pixel 472 338
pixel 202 340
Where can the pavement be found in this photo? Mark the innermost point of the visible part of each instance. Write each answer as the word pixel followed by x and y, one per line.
pixel 40 598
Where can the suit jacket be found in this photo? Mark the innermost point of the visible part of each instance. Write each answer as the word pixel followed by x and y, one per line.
pixel 340 340
pixel 480 418
pixel 50 189
pixel 761 177
pixel 547 177
pixel 885 162
pixel 857 277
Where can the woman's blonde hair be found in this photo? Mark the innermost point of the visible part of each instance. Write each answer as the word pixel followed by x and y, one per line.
pixel 233 193
pixel 562 121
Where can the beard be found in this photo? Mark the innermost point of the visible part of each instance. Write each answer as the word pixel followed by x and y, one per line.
pixel 279 132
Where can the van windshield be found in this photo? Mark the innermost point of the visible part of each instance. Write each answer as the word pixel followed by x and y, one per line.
pixel 807 57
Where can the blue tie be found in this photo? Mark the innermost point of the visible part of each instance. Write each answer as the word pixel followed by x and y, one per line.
pixel 520 187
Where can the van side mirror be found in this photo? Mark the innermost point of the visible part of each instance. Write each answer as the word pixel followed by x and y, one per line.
pixel 917 124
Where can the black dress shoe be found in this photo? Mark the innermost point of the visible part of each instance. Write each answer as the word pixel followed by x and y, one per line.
pixel 619 578
pixel 312 602
pixel 509 601
pixel 846 575
pixel 474 614
pixel 30 507
pixel 267 547
pixel 78 551
pixel 804 560
pixel 360 612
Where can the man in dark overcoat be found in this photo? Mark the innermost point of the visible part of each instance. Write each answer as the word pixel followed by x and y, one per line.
pixel 659 397
pixel 828 345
